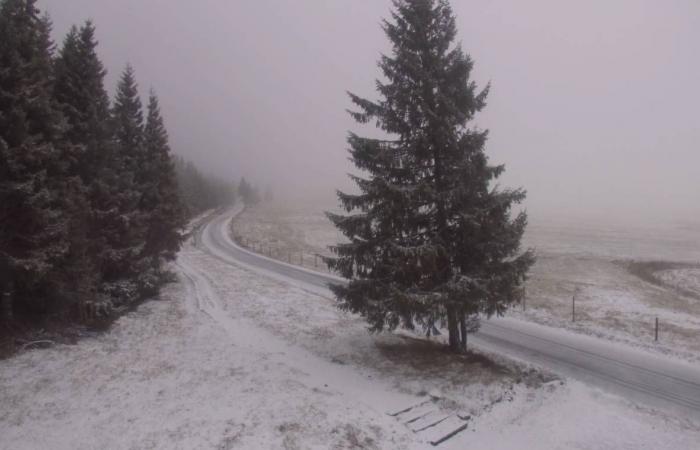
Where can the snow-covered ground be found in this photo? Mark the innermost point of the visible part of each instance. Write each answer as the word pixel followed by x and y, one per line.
pixel 573 259
pixel 611 303
pixel 288 233
pixel 228 359
pixel 687 279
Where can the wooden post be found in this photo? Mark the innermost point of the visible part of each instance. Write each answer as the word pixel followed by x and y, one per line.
pixel 573 307
pixel 656 330
pixel 463 331
pixel 315 260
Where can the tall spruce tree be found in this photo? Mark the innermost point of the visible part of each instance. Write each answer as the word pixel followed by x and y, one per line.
pixel 32 222
pixel 80 92
pixel 161 200
pixel 431 239
pixel 81 96
pixel 127 234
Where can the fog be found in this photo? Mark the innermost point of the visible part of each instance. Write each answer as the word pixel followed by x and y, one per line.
pixel 593 107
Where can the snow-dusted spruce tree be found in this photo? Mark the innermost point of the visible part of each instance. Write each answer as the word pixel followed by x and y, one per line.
pixel 431 238
pixel 161 199
pixel 126 241
pixel 80 95
pixel 32 221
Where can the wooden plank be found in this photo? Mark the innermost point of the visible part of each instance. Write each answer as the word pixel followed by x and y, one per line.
pixel 409 408
pixel 450 435
pixel 430 420
pixel 416 413
pixel 445 430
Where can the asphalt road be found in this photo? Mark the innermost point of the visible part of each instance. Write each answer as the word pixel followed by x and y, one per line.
pixel 654 380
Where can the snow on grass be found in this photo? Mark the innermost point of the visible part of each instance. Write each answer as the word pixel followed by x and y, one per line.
pixel 687 279
pixel 611 303
pixel 288 233
pixel 573 259
pixel 169 377
pixel 574 416
pixel 409 365
pixel 228 359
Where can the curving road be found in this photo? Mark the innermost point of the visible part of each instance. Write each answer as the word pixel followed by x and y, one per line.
pixel 640 376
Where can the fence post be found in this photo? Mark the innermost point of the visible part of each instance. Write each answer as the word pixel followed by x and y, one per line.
pixel 656 330
pixel 573 307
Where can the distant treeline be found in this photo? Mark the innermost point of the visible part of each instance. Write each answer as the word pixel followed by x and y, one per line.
pixel 90 206
pixel 200 193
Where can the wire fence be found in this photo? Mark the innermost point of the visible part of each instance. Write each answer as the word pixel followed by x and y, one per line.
pixel 297 257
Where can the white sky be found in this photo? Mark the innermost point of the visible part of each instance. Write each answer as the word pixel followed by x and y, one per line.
pixel 593 108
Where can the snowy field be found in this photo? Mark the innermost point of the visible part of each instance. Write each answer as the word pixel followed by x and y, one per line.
pixel 589 262
pixel 226 358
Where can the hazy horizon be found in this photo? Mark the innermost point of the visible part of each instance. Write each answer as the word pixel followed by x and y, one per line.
pixel 593 106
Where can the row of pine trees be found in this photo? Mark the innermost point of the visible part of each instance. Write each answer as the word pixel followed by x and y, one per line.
pixel 90 206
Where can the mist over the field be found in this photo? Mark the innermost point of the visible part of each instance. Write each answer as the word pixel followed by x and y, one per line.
pixel 593 106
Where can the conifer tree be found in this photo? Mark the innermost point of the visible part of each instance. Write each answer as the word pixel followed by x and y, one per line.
pixel 127 234
pixel 80 94
pixel 32 222
pixel 199 193
pixel 431 239
pixel 161 200
pixel 247 193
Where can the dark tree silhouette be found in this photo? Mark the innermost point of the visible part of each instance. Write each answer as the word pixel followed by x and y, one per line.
pixel 431 240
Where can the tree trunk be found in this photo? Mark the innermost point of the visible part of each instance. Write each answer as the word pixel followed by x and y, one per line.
pixel 463 329
pixel 6 314
pixel 453 328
